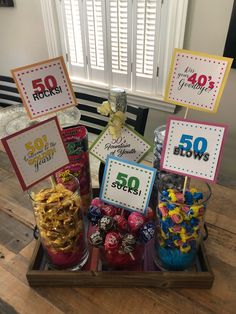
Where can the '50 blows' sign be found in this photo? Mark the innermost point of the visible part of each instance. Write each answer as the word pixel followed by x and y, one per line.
pixel 193 148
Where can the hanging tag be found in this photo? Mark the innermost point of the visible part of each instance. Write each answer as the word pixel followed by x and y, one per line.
pixel 130 145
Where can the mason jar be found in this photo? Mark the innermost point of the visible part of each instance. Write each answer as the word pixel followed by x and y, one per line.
pixel 59 220
pixel 180 224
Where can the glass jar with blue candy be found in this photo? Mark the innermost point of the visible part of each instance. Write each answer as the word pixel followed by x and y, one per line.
pixel 180 223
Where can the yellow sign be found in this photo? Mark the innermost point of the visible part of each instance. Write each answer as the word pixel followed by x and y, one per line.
pixel 197 80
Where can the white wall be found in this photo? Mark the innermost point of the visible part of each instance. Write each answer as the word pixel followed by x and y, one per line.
pixel 206 31
pixel 22 41
pixel 22 36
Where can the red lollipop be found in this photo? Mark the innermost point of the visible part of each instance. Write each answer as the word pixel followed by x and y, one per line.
pixel 97 202
pixel 108 210
pixel 135 221
pixel 121 222
pixel 112 241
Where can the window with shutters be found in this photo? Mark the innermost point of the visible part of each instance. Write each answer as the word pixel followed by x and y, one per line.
pixel 122 43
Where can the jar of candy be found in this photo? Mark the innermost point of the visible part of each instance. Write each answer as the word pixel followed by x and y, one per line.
pixel 76 143
pixel 119 234
pixel 59 220
pixel 159 136
pixel 180 221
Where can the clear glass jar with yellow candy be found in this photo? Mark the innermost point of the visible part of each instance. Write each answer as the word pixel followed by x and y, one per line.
pixel 180 222
pixel 59 219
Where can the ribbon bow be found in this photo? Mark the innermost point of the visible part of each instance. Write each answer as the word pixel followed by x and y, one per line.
pixel 116 119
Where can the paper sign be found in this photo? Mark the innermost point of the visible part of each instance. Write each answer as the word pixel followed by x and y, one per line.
pixel 197 80
pixel 36 152
pixel 44 87
pixel 127 184
pixel 193 148
pixel 130 145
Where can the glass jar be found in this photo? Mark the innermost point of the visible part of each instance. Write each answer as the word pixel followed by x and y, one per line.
pixel 159 136
pixel 180 222
pixel 118 259
pixel 76 142
pixel 59 220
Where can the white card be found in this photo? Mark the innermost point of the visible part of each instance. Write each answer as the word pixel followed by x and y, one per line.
pixel 193 148
pixel 130 145
pixel 36 152
pixel 127 184
pixel 44 87
pixel 197 80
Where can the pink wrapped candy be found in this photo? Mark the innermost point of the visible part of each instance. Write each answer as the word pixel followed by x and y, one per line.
pixel 121 222
pixel 112 241
pixel 135 221
pixel 97 202
pixel 108 210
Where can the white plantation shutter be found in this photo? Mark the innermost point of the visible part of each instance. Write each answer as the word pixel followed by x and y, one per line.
pixel 145 31
pixel 73 30
pixel 94 18
pixel 119 35
pixel 120 43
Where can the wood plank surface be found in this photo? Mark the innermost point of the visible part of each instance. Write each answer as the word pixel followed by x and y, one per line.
pixel 16 219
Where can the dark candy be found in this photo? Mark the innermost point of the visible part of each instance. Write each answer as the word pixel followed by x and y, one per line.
pixel 106 223
pixel 94 214
pixel 147 231
pixel 96 239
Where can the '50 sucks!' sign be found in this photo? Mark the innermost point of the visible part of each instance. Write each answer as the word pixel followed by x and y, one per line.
pixel 44 87
pixel 193 148
pixel 127 184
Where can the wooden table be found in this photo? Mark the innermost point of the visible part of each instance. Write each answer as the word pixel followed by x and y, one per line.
pixel 17 243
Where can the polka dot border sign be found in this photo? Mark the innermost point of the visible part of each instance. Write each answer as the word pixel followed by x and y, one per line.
pixel 31 79
pixel 173 160
pixel 204 90
pixel 124 198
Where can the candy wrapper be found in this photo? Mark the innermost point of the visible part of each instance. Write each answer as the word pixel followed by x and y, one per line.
pixel 58 216
pixel 76 142
pixel 181 218
pixel 121 235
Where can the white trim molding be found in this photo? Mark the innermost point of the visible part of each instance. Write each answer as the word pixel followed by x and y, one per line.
pixel 51 28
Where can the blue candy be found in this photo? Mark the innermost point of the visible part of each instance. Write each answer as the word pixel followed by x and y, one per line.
pixel 173 259
pixel 188 198
pixel 170 206
pixel 198 196
pixel 194 222
pixel 94 214
pixel 147 231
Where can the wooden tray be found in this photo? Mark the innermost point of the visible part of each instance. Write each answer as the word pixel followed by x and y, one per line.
pixel 94 274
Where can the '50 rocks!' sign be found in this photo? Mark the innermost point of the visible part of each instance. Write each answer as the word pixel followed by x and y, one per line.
pixel 44 87
pixel 193 148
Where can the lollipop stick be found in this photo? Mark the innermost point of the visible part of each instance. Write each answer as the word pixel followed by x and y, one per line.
pixel 186 113
pixel 122 212
pixel 185 184
pixel 53 181
pixel 131 255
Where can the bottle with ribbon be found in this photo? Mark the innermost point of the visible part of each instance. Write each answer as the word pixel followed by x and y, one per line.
pixel 115 107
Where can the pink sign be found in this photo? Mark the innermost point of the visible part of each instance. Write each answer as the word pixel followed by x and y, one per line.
pixel 193 148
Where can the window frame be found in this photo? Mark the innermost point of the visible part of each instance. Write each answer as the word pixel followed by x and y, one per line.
pixel 173 21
